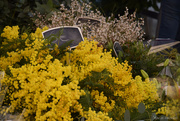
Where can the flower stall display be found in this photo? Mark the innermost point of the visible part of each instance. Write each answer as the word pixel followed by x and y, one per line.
pixel 46 80
pixel 85 82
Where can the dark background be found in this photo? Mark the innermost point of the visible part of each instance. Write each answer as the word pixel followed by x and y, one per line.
pixel 19 12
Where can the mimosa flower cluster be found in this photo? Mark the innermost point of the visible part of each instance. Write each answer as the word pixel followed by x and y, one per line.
pixel 88 57
pixel 28 46
pixel 85 82
pixel 170 109
pixel 11 33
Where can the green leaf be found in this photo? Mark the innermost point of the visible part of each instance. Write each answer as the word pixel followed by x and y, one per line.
pixel 49 15
pixel 26 9
pixel 166 62
pixel 120 55
pixel 178 71
pixel 110 45
pixel 21 15
pixel 86 100
pixel 144 74
pixel 40 8
pixel 50 3
pixel 141 107
pixel 127 115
